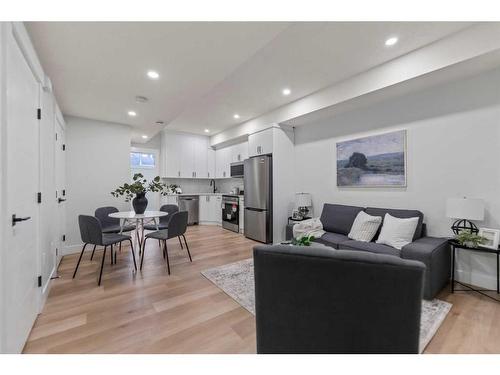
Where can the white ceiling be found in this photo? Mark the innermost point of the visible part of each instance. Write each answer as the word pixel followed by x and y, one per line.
pixel 209 71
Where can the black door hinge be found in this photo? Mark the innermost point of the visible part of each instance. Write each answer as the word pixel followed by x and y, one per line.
pixel 56 136
pixel 64 147
pixel 64 237
pixel 39 113
pixel 39 197
pixel 64 192
pixel 39 281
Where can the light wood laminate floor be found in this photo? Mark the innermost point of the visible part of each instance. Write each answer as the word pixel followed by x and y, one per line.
pixel 151 312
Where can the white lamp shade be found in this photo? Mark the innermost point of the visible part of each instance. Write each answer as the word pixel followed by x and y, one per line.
pixel 303 200
pixel 465 208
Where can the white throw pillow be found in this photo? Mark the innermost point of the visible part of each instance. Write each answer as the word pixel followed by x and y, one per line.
pixel 397 232
pixel 364 227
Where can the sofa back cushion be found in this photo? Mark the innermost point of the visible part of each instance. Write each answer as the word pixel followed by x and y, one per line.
pixel 338 218
pixel 402 214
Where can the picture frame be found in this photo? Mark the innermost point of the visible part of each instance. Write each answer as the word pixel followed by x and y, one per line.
pixel 374 161
pixel 492 237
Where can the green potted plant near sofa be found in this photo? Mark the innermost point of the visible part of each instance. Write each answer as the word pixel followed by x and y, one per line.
pixel 137 190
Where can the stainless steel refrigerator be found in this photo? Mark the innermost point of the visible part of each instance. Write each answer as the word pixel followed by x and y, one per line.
pixel 258 182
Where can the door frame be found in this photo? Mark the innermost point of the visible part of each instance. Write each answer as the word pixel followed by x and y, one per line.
pixel 18 32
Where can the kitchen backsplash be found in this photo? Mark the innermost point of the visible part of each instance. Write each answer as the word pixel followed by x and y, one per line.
pixel 189 185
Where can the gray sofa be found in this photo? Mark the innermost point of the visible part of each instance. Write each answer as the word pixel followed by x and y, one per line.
pixel 314 300
pixel 432 251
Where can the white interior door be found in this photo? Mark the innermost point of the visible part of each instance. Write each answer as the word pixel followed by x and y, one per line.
pixel 20 263
pixel 60 178
pixel 47 199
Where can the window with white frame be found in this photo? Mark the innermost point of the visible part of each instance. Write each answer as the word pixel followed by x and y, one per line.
pixel 142 160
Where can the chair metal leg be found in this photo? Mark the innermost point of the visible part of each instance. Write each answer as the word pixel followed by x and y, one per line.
pixel 133 254
pixel 120 249
pixel 166 253
pixel 159 243
pixel 187 247
pixel 111 255
pixel 143 251
pixel 79 259
pixel 182 247
pixel 93 251
pixel 102 265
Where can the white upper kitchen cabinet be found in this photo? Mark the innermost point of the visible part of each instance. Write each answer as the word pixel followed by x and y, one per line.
pixel 239 152
pixel 211 163
pixel 171 151
pixel 260 143
pixel 200 156
pixel 223 162
pixel 185 155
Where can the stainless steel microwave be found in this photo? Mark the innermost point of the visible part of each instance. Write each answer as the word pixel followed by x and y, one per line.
pixel 237 169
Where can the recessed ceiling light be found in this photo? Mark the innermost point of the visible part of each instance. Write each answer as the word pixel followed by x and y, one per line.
pixel 144 137
pixel 132 113
pixel 153 75
pixel 391 41
pixel 286 91
pixel 236 116
pixel 207 130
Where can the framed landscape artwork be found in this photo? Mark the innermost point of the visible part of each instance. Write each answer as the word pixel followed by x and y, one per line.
pixel 374 161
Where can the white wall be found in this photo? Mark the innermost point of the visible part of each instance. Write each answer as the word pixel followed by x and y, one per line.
pixel 97 162
pixel 453 150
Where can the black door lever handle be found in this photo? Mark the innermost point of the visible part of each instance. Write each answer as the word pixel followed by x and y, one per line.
pixel 59 200
pixel 17 219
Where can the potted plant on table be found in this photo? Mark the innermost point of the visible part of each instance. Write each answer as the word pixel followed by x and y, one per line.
pixel 138 188
pixel 469 239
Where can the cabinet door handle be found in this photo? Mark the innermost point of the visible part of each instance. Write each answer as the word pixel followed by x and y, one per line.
pixel 239 157
pixel 18 219
pixel 179 173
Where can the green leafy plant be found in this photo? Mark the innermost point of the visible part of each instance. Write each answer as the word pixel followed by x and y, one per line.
pixel 303 241
pixel 469 239
pixel 139 186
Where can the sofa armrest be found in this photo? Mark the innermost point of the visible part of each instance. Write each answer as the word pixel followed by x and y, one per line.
pixel 436 255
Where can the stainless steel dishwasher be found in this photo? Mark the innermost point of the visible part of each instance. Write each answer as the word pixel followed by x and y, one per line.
pixel 190 203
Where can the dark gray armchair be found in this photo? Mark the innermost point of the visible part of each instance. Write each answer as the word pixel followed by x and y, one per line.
pixel 319 300
pixel 92 234
pixel 176 228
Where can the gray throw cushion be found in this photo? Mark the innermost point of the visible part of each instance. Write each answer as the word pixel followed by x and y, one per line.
pixel 332 239
pixel 339 218
pixel 370 246
pixel 401 214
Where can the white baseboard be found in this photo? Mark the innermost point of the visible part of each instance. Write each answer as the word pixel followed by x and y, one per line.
pixel 72 249
pixel 210 223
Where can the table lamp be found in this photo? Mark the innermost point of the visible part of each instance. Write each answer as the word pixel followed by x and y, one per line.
pixel 464 210
pixel 303 202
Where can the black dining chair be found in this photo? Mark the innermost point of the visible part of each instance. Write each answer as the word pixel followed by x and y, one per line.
pixel 92 234
pixel 110 224
pixel 176 228
pixel 164 220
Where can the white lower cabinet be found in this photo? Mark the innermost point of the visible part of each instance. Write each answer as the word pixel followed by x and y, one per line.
pixel 216 209
pixel 210 209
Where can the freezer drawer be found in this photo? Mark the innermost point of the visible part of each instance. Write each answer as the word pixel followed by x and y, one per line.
pixel 257 225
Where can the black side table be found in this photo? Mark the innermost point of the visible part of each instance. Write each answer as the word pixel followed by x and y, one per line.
pixel 295 221
pixel 454 246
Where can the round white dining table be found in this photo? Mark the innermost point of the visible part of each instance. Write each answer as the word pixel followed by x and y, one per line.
pixel 139 219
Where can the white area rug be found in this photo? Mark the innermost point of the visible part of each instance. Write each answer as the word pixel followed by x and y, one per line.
pixel 236 280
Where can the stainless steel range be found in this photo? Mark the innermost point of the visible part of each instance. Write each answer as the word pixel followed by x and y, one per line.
pixel 231 212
